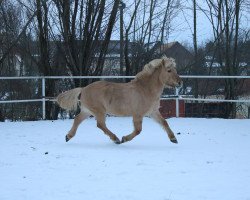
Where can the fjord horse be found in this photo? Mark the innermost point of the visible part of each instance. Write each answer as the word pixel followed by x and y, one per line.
pixel 137 98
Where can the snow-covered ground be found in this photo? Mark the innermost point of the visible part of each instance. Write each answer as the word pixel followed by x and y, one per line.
pixel 211 161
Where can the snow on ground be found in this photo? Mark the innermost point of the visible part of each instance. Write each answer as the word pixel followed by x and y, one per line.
pixel 211 161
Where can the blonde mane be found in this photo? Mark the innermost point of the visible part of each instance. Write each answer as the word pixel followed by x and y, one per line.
pixel 150 67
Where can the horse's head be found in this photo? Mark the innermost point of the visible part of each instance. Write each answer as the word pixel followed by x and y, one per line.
pixel 168 74
pixel 165 68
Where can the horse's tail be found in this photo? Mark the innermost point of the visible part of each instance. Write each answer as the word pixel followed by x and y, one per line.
pixel 69 99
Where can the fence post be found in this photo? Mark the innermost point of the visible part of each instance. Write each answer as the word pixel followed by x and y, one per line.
pixel 177 109
pixel 43 97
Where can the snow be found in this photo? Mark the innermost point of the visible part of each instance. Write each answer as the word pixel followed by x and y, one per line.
pixel 211 161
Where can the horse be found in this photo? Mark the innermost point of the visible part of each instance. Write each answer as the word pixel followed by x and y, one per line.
pixel 138 98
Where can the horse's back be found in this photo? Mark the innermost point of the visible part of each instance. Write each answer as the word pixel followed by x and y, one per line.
pixel 112 98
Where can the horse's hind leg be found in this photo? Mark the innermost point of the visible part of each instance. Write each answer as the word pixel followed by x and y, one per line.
pixel 100 118
pixel 158 118
pixel 137 129
pixel 78 119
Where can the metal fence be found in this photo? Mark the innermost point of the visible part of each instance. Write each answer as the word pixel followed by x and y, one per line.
pixel 177 96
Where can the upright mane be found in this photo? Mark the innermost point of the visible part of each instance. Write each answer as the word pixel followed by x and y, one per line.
pixel 150 67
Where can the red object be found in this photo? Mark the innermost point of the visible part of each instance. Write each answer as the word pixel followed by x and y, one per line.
pixel 168 108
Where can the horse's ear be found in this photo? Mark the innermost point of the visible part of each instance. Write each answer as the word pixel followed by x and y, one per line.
pixel 163 62
pixel 172 60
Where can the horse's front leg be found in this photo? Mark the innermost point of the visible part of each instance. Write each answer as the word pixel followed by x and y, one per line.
pixel 137 129
pixel 158 118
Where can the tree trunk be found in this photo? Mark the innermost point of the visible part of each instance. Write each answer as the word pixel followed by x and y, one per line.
pixel 105 43
pixel 195 67
pixel 44 63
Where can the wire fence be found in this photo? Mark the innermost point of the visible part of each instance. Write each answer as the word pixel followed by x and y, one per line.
pixel 209 101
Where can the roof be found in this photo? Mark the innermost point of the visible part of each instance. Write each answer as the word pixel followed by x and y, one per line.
pixel 168 45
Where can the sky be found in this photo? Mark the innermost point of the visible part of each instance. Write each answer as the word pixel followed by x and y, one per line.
pixel 183 27
pixel 183 24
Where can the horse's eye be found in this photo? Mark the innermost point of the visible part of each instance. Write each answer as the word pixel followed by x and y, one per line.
pixel 169 70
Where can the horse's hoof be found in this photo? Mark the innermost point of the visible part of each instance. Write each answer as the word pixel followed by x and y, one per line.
pixel 174 140
pixel 123 140
pixel 117 141
pixel 66 138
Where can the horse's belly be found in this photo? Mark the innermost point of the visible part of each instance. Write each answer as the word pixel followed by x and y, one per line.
pixel 119 111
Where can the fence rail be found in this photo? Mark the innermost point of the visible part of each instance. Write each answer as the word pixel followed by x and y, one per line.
pixel 177 97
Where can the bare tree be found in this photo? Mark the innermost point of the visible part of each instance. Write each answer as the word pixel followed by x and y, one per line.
pixel 147 29
pixel 195 65
pixel 108 33
pixel 225 19
pixel 12 33
pixel 45 60
pixel 7 19
pixel 85 27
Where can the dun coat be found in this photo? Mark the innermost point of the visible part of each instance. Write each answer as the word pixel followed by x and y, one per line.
pixel 138 98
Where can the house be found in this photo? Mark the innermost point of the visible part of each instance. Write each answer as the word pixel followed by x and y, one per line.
pixel 215 68
pixel 28 56
pixel 175 50
pixel 182 56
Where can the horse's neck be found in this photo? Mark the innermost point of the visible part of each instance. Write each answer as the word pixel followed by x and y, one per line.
pixel 151 84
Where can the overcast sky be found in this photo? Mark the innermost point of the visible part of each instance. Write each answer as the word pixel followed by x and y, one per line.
pixel 183 24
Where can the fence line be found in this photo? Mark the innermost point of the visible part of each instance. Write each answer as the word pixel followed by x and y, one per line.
pixel 176 97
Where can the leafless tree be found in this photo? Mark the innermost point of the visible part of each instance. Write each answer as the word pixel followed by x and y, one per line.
pixel 195 65
pixel 147 29
pixel 8 21
pixel 85 28
pixel 45 60
pixel 224 16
